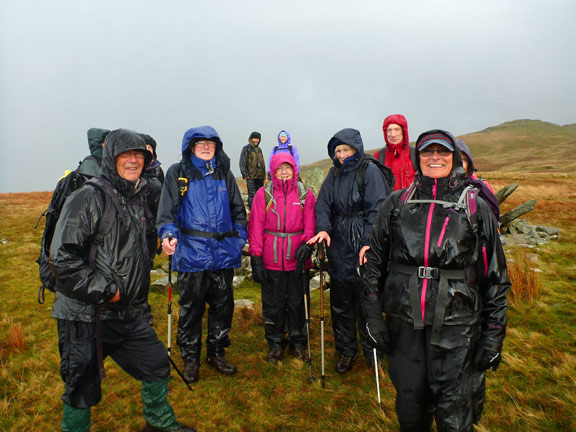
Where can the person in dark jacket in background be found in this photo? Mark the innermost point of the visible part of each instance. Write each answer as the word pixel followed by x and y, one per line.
pixel 344 218
pixel 485 190
pixel 396 154
pixel 154 179
pixel 202 224
pixel 439 274
pixel 252 166
pixel 98 304
pixel 91 163
pixel 154 176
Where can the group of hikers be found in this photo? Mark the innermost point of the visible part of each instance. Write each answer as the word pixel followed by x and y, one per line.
pixel 417 271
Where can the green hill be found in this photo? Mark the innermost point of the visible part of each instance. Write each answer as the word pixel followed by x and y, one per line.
pixel 514 146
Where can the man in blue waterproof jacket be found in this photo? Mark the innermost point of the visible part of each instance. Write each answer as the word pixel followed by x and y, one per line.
pixel 202 223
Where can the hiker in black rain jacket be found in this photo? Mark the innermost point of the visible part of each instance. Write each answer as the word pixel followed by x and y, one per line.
pixel 344 218
pixel 101 289
pixel 439 274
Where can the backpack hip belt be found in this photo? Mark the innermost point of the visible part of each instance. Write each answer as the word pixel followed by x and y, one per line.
pixel 277 235
pixel 217 236
pixel 422 272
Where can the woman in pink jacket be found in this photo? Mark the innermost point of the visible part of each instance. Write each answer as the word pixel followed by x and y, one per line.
pixel 281 221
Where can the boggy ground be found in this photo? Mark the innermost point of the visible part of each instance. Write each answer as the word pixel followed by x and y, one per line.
pixel 533 389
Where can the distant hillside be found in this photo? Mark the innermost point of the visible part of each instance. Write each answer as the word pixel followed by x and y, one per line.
pixel 515 146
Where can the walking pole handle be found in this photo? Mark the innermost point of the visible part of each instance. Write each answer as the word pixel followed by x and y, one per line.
pixel 321 252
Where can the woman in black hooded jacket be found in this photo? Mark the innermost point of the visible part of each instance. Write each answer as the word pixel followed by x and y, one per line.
pixel 345 211
pixel 439 274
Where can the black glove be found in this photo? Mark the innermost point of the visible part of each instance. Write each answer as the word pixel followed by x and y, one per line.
pixel 378 335
pixel 259 273
pixel 486 359
pixel 303 252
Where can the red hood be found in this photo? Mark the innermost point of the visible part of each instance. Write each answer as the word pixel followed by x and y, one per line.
pixel 400 120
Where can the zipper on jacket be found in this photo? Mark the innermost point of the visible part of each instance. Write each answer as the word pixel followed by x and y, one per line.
pixel 426 249
pixel 284 242
pixel 443 231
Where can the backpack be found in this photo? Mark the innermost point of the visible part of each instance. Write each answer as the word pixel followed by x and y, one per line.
pixel 269 194
pixel 466 201
pixel 64 188
pixel 361 171
pixel 289 149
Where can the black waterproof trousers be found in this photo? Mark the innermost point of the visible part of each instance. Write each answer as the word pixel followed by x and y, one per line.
pixel 432 381
pixel 252 185
pixel 348 317
pixel 283 309
pixel 133 345
pixel 196 290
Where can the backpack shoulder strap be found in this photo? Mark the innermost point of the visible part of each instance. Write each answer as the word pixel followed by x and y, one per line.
pixel 382 155
pixel 302 192
pixel 112 209
pixel 269 195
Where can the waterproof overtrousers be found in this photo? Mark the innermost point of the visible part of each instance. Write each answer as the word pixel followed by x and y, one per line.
pixel 157 411
pixel 75 420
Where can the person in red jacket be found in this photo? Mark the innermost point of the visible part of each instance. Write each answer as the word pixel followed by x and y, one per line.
pixel 396 154
pixel 281 221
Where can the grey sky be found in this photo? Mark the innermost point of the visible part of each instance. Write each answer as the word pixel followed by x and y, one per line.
pixel 311 67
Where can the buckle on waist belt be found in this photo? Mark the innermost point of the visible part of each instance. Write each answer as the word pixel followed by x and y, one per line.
pixel 428 272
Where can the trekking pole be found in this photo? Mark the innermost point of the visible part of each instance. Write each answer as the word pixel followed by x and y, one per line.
pixel 169 345
pixel 307 312
pixel 377 377
pixel 321 260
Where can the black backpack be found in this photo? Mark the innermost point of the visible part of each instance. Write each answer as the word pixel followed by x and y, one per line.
pixel 361 171
pixel 64 188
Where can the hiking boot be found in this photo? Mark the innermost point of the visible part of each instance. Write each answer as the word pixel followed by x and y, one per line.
pixel 149 428
pixel 274 356
pixel 344 364
pixel 300 353
pixel 192 371
pixel 220 363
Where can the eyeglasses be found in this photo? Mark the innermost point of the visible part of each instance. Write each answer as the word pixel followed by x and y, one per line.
pixel 443 152
pixel 206 144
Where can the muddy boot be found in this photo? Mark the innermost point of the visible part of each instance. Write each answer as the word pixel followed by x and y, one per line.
pixel 219 362
pixel 192 371
pixel 344 363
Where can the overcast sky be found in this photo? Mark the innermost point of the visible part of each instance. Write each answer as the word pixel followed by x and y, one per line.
pixel 311 67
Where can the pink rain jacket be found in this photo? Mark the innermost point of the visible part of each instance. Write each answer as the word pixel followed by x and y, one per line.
pixel 285 216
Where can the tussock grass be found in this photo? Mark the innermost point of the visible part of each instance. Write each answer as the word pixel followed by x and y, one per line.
pixel 526 286
pixel 533 390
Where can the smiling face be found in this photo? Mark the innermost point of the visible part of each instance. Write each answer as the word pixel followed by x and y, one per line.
pixel 343 151
pixel 204 149
pixel 436 161
pixel 129 164
pixel 284 171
